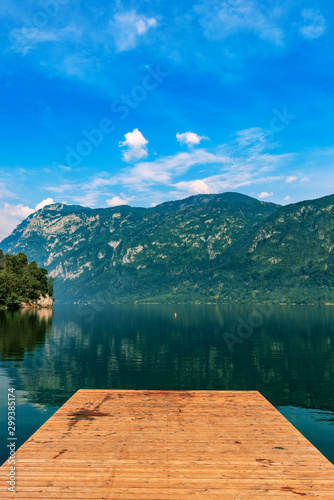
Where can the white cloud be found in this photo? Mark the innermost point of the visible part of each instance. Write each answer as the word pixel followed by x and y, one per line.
pixel 287 198
pixel 264 194
pixel 44 203
pixel 23 40
pixel 19 210
pixel 12 215
pixel 135 143
pixel 304 179
pixel 190 138
pixel 252 136
pixel 99 182
pixel 221 182
pixel 59 189
pixel 162 170
pixel 4 192
pixel 291 178
pixel 127 27
pixel 87 199
pixel 314 24
pixel 117 201
pixel 222 19
pixel 195 187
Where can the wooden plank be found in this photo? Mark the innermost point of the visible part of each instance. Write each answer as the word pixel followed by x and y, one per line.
pixel 105 444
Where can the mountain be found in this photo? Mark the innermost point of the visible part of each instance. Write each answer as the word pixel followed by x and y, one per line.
pixel 206 248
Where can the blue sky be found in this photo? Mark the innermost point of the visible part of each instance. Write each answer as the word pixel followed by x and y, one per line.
pixel 107 103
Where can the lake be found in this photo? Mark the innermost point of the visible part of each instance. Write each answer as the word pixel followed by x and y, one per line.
pixel 285 352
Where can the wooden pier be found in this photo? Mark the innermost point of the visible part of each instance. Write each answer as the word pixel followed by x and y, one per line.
pixel 157 445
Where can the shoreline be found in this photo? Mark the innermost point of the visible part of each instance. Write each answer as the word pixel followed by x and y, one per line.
pixel 135 303
pixel 44 302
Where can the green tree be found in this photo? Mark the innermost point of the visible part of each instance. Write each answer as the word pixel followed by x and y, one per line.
pixel 22 281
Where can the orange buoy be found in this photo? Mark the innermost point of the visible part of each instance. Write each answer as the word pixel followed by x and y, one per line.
pixel 175 315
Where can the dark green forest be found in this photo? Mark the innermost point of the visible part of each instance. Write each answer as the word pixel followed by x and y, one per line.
pixel 22 281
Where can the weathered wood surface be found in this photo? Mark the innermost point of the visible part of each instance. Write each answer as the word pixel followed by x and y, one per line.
pixel 105 444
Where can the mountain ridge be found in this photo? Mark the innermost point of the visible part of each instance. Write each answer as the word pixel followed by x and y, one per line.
pixel 227 247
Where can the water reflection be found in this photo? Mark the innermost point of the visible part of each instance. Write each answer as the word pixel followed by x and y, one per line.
pixel 289 358
pixel 22 331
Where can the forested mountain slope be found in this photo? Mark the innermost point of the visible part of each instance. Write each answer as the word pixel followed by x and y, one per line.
pixel 206 248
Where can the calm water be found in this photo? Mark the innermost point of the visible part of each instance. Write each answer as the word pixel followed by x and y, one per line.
pixel 286 353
